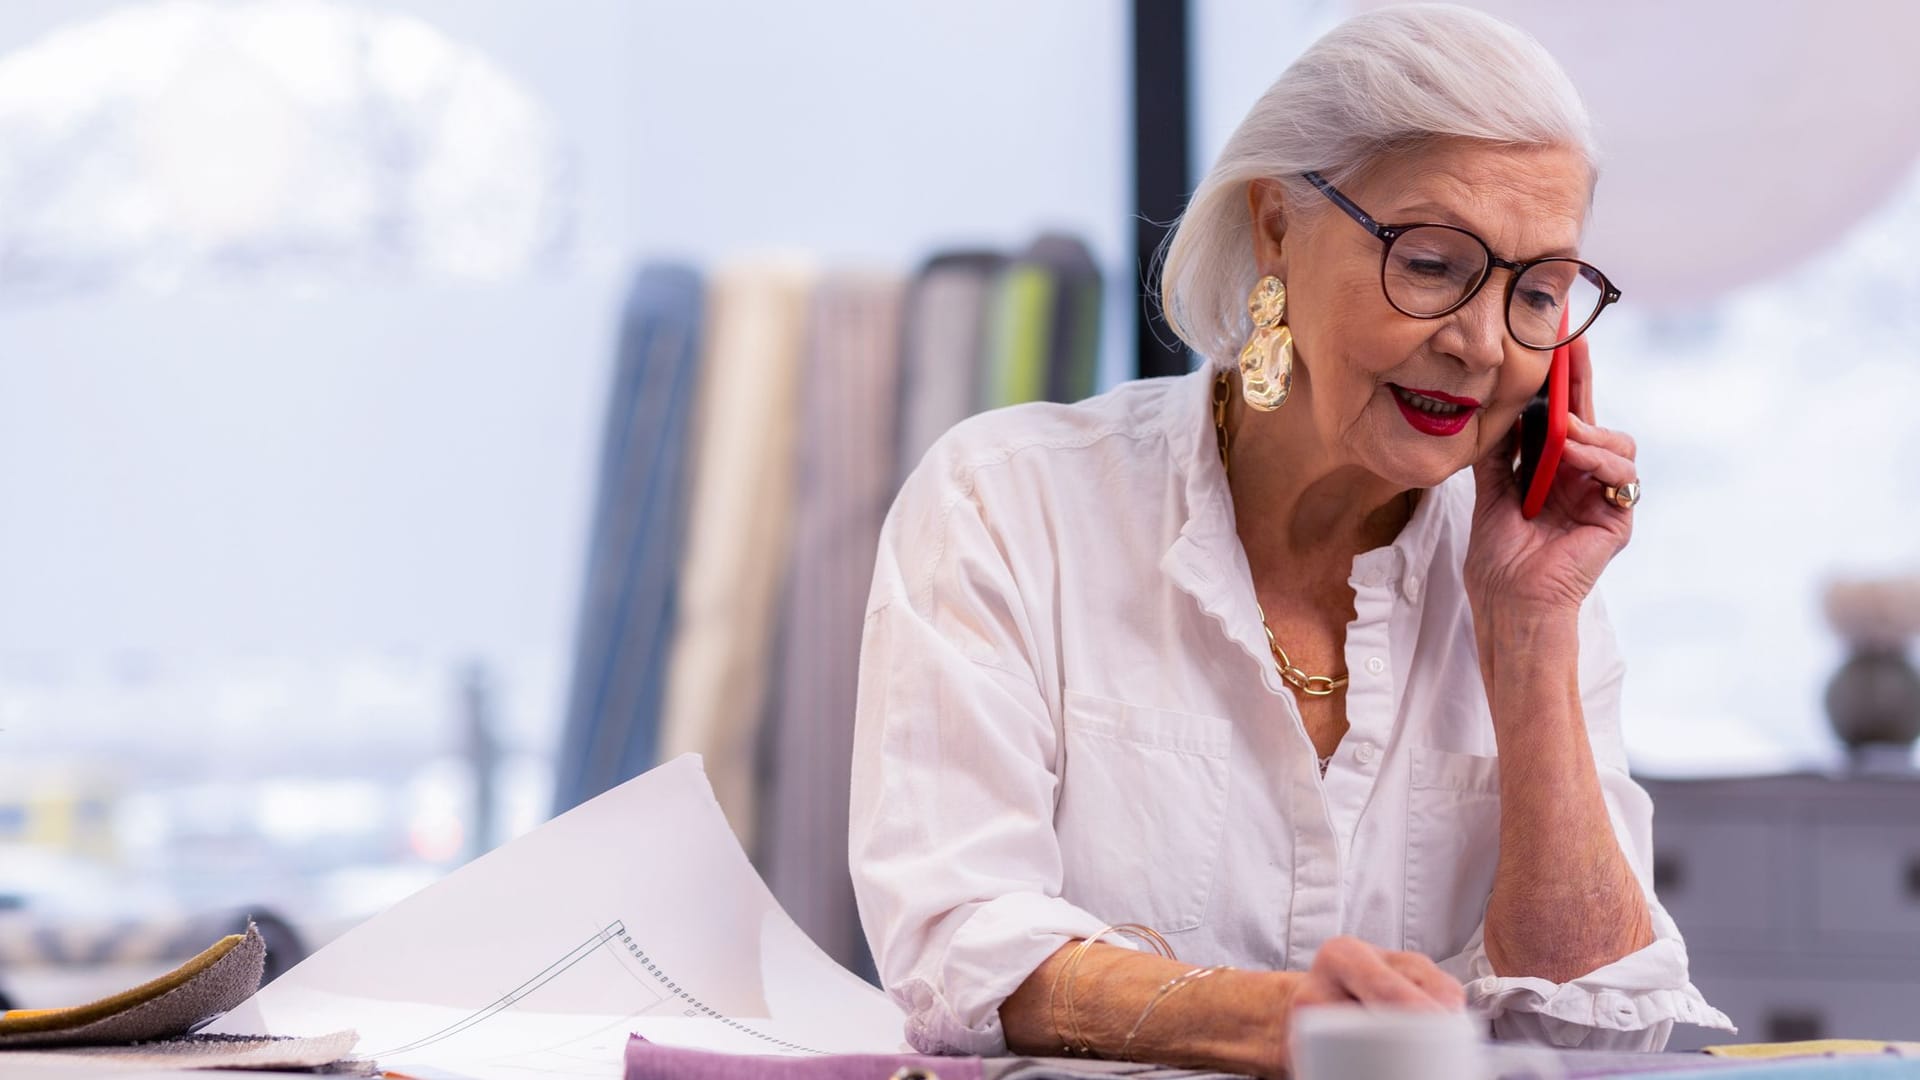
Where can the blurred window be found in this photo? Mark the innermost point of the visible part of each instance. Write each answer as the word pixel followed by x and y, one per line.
pixel 235 242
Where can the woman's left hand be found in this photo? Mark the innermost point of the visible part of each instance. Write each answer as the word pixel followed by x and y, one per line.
pixel 1550 563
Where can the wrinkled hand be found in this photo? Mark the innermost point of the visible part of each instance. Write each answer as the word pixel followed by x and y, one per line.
pixel 1348 970
pixel 1551 562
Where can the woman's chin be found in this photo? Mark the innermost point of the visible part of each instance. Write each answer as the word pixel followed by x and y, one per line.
pixel 1425 470
pixel 1429 462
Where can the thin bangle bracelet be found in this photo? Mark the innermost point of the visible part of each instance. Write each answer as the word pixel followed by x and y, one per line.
pixel 1158 944
pixel 1053 995
pixel 1167 990
pixel 1070 1034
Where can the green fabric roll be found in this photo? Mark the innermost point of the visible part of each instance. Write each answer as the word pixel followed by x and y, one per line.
pixel 1015 366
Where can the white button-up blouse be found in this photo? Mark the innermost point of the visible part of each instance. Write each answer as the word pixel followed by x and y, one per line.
pixel 1068 717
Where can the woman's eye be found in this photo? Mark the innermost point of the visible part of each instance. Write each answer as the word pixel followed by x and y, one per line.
pixel 1433 268
pixel 1540 301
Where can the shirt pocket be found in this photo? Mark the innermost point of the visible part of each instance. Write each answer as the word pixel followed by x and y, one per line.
pixel 1453 848
pixel 1142 810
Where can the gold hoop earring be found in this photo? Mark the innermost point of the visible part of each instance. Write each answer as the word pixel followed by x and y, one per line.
pixel 1266 361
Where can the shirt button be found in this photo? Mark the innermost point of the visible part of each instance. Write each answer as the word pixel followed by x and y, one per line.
pixel 1376 665
pixel 1413 587
pixel 1366 752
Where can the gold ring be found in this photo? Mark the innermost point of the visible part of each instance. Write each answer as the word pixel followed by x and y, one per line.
pixel 1623 497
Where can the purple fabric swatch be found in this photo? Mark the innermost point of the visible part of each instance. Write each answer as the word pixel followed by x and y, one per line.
pixel 652 1061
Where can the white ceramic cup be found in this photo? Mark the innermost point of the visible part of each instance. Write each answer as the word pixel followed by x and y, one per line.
pixel 1353 1042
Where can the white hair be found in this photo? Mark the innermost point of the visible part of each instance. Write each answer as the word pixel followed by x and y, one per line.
pixel 1380 83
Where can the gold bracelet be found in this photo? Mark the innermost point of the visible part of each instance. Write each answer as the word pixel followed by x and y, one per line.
pixel 1167 990
pixel 1053 994
pixel 1149 935
pixel 1072 1041
pixel 1135 930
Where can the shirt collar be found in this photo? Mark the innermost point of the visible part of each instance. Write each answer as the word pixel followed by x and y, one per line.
pixel 1207 556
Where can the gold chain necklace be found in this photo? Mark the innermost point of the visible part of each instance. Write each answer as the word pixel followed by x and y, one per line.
pixel 1312 685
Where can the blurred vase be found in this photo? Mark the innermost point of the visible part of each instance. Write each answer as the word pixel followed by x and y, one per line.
pixel 1874 699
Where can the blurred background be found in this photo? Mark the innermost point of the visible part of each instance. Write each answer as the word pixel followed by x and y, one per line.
pixel 359 508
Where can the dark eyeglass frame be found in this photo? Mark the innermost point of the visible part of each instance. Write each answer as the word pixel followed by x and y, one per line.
pixel 1387 234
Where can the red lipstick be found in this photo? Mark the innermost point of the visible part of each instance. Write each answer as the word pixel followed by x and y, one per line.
pixel 1442 395
pixel 1431 423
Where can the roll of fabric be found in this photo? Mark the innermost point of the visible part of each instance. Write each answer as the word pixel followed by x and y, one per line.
pixel 1019 332
pixel 1043 337
pixel 628 604
pixel 737 527
pixel 849 428
pixel 944 342
pixel 1073 330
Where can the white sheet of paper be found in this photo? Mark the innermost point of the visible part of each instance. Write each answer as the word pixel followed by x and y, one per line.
pixel 636 912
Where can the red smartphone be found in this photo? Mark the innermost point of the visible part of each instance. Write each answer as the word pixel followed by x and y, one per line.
pixel 1543 434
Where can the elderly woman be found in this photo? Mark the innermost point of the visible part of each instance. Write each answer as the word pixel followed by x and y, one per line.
pixel 1266 662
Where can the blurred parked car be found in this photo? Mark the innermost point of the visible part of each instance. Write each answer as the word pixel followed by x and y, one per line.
pixel 73 930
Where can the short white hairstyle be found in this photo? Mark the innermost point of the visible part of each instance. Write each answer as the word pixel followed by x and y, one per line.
pixel 1380 83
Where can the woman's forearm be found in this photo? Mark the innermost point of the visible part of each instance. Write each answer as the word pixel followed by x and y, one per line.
pixel 1231 1020
pixel 1565 901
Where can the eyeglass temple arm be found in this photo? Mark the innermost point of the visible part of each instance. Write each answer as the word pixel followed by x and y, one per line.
pixel 1344 203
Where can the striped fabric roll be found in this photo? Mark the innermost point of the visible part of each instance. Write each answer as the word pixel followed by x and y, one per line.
pixel 737 538
pixel 1073 331
pixel 848 431
pixel 1043 338
pixel 1019 316
pixel 944 342
pixel 633 560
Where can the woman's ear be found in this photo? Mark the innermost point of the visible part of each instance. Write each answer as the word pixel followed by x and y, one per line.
pixel 1267 210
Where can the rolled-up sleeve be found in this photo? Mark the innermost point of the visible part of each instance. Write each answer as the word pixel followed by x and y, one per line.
pixel 955 863
pixel 1632 1003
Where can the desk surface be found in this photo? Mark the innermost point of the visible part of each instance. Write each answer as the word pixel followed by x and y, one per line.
pixel 1508 1060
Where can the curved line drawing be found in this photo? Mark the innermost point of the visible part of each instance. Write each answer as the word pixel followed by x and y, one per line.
pixel 510 998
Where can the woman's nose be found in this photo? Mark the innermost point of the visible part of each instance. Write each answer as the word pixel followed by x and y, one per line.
pixel 1479 330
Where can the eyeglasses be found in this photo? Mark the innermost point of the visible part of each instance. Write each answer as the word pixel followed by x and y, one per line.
pixel 1430 271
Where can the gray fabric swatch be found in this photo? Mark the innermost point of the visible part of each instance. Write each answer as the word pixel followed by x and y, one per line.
pixel 226 983
pixel 944 340
pixel 331 1053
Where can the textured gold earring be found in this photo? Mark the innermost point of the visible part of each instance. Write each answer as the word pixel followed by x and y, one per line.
pixel 1266 361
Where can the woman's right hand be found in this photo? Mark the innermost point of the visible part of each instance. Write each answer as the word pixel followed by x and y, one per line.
pixel 1347 970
